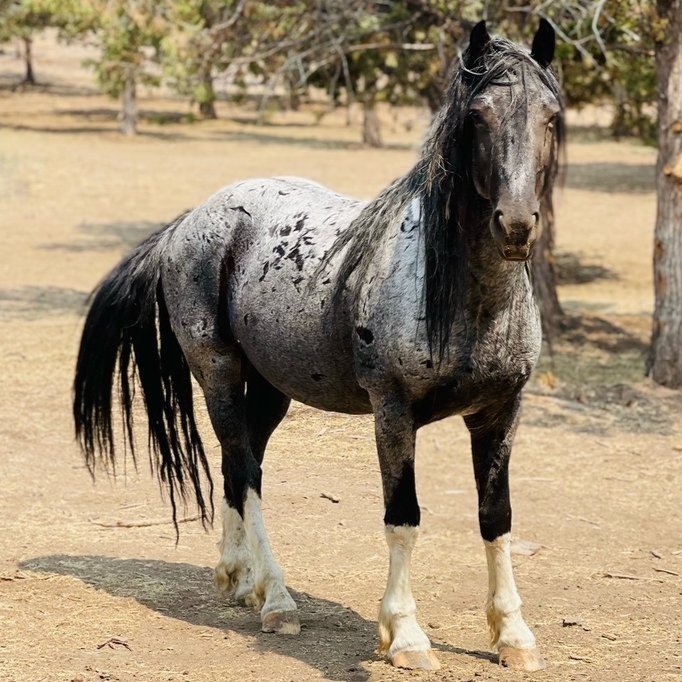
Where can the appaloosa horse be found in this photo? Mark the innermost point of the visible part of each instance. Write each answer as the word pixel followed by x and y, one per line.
pixel 413 307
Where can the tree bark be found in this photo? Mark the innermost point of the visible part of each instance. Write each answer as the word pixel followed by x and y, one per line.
pixel 544 275
pixel 665 358
pixel 128 116
pixel 371 128
pixel 207 103
pixel 29 78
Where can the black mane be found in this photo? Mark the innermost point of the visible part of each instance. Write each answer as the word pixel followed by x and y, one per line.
pixel 442 180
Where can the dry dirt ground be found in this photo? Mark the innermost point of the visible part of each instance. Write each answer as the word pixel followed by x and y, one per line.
pixel 596 472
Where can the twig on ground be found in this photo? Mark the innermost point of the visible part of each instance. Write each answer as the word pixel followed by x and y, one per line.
pixel 112 642
pixel 621 576
pixel 143 523
pixel 331 498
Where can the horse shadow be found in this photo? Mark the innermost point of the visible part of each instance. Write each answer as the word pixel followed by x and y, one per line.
pixel 334 638
pixel 122 235
pixel 33 302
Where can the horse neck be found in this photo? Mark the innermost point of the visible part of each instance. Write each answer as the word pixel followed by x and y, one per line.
pixel 496 285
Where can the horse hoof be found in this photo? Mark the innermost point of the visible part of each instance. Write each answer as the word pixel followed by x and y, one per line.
pixel 528 660
pixel 281 623
pixel 415 660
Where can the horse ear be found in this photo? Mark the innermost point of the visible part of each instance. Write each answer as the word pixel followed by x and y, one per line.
pixel 544 43
pixel 478 41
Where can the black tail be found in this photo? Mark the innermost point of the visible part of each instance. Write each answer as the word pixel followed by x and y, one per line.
pixel 127 332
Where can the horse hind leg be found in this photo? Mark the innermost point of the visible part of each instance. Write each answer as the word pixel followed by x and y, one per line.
pixel 247 566
pixel 265 408
pixel 233 573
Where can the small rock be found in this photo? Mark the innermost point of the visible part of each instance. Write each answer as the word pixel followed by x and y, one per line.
pixel 570 622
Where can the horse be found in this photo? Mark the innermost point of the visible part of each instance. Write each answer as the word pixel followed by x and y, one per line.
pixel 413 307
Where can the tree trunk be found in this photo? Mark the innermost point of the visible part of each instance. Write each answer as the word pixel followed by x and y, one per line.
pixel 371 128
pixel 29 78
pixel 665 359
pixel 544 275
pixel 128 116
pixel 207 98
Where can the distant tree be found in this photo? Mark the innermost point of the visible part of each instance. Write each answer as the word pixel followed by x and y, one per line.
pixel 129 33
pixel 665 360
pixel 604 53
pixel 22 19
pixel 398 52
pixel 205 36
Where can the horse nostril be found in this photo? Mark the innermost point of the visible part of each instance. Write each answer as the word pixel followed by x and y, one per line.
pixel 499 222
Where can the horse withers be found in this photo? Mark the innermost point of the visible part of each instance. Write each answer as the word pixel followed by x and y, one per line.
pixel 413 307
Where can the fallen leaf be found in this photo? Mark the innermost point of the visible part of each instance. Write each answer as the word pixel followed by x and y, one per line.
pixel 525 547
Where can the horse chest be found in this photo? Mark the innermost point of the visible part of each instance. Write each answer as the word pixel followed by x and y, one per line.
pixel 487 372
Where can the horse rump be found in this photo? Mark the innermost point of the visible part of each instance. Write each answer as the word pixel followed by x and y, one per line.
pixel 127 340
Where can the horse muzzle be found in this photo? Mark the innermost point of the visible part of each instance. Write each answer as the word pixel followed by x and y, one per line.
pixel 515 236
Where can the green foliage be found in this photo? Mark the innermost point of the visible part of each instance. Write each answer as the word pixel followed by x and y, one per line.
pixel 130 33
pixel 203 38
pixel 22 18
pixel 397 51
pixel 605 54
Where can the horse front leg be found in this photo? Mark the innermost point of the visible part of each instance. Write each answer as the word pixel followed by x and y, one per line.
pixel 401 638
pixel 492 433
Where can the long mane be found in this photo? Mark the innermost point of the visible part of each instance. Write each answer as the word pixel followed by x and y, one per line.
pixel 442 182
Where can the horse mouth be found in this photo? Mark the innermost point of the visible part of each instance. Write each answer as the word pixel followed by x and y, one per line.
pixel 516 253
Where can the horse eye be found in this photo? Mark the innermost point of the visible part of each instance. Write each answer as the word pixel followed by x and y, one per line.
pixel 550 124
pixel 477 119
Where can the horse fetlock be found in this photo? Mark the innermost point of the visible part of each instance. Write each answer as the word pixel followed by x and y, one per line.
pixel 508 629
pixel 400 635
pixel 234 579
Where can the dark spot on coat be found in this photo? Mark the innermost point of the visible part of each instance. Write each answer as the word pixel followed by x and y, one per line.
pixel 266 267
pixel 427 363
pixel 300 223
pixel 316 376
pixel 285 231
pixel 365 334
pixel 297 257
pixel 240 208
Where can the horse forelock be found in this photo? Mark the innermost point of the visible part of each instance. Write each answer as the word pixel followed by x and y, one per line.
pixel 441 180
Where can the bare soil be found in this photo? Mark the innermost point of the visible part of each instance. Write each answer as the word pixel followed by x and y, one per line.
pixel 596 472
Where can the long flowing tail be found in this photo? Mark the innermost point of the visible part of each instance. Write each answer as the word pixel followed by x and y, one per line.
pixel 128 334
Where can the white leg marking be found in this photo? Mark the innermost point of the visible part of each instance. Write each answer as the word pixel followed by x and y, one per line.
pixel 268 577
pixel 233 574
pixel 507 627
pixel 398 627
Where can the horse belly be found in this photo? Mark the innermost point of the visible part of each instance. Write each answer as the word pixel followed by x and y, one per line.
pixel 283 336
